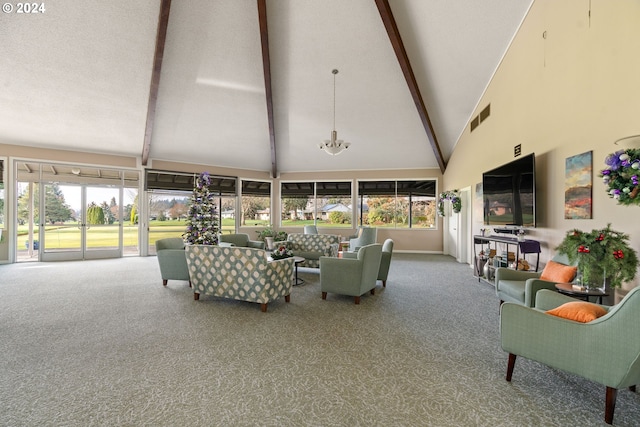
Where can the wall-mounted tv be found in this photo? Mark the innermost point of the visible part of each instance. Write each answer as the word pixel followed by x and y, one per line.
pixel 509 193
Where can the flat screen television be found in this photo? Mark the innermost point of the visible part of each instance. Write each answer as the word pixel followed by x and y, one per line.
pixel 509 193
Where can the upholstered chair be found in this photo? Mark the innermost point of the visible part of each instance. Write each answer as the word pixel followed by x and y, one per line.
pixel 385 260
pixel 351 276
pixel 521 286
pixel 310 229
pixel 605 350
pixel 366 236
pixel 240 240
pixel 172 259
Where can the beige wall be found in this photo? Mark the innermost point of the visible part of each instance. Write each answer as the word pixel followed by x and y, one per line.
pixel 574 91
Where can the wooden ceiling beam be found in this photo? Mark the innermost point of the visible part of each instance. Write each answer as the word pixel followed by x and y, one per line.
pixel 266 65
pixel 398 47
pixel 161 37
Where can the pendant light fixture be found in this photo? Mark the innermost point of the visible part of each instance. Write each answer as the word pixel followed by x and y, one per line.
pixel 334 146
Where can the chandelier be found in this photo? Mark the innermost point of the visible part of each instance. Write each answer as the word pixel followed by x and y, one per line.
pixel 334 146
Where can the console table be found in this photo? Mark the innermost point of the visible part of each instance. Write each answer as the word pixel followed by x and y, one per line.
pixel 524 247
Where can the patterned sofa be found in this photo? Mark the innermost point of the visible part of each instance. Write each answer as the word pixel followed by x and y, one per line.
pixel 238 273
pixel 312 246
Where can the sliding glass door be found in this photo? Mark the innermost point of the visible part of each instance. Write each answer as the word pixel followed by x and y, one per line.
pixel 81 222
pixel 74 213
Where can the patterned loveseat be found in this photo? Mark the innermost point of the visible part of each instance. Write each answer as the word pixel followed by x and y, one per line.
pixel 238 273
pixel 313 246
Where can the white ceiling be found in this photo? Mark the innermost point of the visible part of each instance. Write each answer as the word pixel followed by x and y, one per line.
pixel 77 77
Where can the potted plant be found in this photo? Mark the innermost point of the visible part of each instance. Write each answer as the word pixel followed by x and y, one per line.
pixel 269 235
pixel 603 256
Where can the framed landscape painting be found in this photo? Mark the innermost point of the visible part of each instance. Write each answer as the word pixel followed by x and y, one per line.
pixel 578 186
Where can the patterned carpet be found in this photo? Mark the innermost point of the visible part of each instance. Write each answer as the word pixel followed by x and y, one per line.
pixel 103 343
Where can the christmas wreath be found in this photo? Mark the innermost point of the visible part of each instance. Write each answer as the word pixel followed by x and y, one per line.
pixel 621 176
pixel 451 196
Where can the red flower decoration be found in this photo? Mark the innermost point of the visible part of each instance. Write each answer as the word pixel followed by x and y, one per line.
pixel 600 238
pixel 618 254
pixel 583 249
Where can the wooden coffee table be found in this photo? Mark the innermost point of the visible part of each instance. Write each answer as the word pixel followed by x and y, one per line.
pixel 567 289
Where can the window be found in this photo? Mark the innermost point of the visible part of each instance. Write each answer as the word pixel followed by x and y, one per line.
pixel 256 203
pixel 397 204
pixel 169 198
pixel 323 203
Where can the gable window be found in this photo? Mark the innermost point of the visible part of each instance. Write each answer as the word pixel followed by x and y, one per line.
pixel 397 204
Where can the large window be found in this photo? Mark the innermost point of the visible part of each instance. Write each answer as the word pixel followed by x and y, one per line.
pixel 256 203
pixel 322 203
pixel 169 197
pixel 397 204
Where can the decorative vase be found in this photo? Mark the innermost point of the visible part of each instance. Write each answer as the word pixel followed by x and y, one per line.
pixel 269 242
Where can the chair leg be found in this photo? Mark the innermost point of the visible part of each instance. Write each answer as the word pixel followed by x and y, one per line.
pixel 373 291
pixel 632 388
pixel 287 298
pixel 384 283
pixel 164 282
pixel 263 307
pixel 610 404
pixel 190 284
pixel 324 295
pixel 510 365
pixel 196 296
pixel 357 300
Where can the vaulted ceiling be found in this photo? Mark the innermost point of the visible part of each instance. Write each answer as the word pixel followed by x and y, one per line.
pixel 248 83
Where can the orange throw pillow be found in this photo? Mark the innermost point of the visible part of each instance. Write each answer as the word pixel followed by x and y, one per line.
pixel 559 273
pixel 580 311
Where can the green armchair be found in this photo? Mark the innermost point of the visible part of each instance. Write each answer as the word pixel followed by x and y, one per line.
pixel 385 260
pixel 366 236
pixel 172 260
pixel 351 276
pixel 310 229
pixel 240 240
pixel 605 350
pixel 521 286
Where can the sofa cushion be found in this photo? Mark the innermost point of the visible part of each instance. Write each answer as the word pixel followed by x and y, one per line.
pixel 580 311
pixel 559 273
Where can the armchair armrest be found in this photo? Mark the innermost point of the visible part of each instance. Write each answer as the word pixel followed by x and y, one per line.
pixel 531 288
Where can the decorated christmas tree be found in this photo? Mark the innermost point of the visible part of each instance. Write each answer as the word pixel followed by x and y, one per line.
pixel 202 221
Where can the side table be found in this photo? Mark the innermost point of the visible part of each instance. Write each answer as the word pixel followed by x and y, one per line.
pixel 567 289
pixel 297 260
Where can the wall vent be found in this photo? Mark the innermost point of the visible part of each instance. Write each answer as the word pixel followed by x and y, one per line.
pixel 484 114
pixel 475 123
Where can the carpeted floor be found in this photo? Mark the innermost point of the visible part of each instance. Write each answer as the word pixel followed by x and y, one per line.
pixel 103 343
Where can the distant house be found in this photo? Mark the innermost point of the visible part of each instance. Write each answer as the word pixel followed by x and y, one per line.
pixel 228 214
pixel 327 209
pixel 264 214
